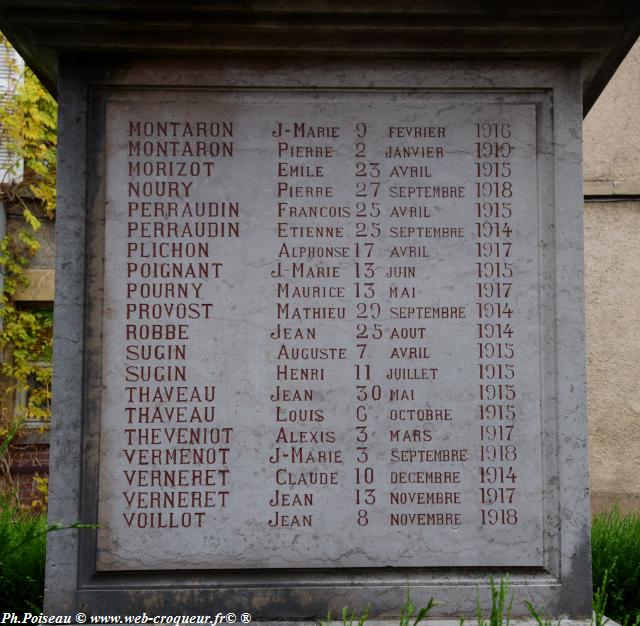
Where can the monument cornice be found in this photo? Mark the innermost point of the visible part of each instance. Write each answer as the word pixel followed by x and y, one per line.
pixel 597 34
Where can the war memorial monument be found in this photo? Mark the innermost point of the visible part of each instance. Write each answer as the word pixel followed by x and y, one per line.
pixel 319 307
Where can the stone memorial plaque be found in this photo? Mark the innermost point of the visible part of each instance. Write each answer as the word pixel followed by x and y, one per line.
pixel 321 331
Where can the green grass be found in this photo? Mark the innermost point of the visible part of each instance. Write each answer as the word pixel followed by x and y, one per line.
pixel 501 604
pixel 410 614
pixel 615 542
pixel 23 540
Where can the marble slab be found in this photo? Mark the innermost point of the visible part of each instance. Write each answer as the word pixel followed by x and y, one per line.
pixel 321 332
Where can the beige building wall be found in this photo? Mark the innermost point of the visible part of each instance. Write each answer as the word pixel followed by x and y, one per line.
pixel 612 275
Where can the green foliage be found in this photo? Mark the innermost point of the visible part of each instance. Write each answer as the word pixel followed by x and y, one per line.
pixel 28 335
pixel 22 557
pixel 600 598
pixel 615 541
pixel 410 615
pixel 541 620
pixel 28 125
pixel 350 617
pixel 28 117
pixel 500 611
pixel 23 542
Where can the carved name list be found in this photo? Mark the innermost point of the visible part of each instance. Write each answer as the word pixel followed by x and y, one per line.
pixel 321 332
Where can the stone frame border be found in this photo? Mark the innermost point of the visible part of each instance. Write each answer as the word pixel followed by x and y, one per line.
pixel 72 583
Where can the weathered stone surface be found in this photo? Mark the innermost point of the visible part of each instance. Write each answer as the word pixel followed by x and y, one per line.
pixel 355 282
pixel 245 565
